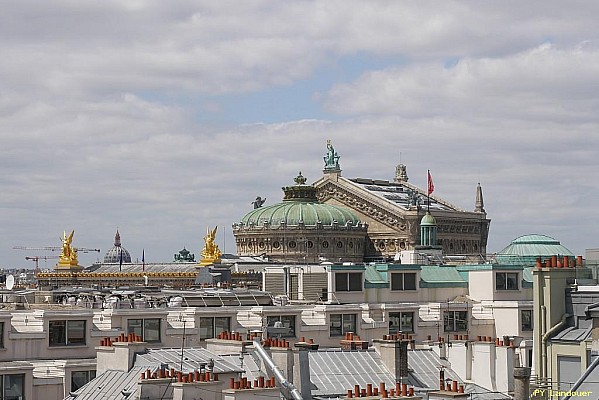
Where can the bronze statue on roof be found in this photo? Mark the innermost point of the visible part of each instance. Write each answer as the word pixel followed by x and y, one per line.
pixel 331 159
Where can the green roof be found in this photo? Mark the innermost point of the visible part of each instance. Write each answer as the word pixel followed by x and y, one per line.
pixel 527 277
pixel 301 207
pixel 296 213
pixel 373 277
pixel 525 249
pixel 437 276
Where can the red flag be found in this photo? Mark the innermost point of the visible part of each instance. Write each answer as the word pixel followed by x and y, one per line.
pixel 431 185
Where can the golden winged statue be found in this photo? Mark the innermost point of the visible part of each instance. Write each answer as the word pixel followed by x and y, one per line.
pixel 210 253
pixel 68 255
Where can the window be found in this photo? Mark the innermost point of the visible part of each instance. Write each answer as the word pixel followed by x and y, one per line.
pixel 526 320
pixel 348 281
pixel 148 329
pixel 12 387
pixel 342 323
pixel 80 378
pixel 66 333
pixel 506 281
pixel 288 321
pixel 401 321
pixel 1 335
pixel 455 321
pixel 403 281
pixel 211 327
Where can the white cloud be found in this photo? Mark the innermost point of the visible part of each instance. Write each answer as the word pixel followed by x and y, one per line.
pixel 544 83
pixel 99 109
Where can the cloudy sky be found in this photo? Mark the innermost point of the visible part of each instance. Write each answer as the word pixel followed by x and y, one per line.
pixel 165 118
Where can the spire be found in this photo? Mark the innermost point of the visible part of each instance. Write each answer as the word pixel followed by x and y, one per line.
pixel 480 203
pixel 117 238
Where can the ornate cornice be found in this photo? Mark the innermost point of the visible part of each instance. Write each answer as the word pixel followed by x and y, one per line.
pixel 382 215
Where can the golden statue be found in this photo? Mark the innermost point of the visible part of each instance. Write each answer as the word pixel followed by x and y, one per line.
pixel 210 253
pixel 68 254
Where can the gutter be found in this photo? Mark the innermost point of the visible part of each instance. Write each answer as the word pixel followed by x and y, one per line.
pixel 551 331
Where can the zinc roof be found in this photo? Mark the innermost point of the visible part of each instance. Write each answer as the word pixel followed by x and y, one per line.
pixel 108 386
pixel 333 372
pixel 193 358
pixel 424 368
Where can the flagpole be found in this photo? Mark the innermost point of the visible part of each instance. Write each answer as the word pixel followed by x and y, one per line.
pixel 428 191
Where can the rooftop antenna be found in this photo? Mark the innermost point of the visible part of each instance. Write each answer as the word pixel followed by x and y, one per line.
pixel 182 319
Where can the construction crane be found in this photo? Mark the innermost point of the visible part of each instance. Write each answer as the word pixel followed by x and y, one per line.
pixel 56 248
pixel 50 248
pixel 38 258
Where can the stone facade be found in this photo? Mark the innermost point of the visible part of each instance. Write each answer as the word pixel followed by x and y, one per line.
pixel 393 221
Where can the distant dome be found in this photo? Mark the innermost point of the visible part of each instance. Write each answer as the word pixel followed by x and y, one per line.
pixel 114 254
pixel 525 249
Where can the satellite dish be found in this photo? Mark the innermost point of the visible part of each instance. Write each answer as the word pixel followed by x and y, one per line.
pixel 10 282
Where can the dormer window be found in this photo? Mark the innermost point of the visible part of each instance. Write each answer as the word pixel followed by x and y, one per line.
pixel 506 281
pixel 348 281
pixel 67 332
pixel 403 281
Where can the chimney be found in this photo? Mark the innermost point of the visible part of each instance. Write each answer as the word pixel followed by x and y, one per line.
pixel 295 365
pixel 484 363
pixel 229 343
pixel 394 355
pixel 207 390
pixel 521 383
pixel 352 341
pixel 301 372
pixel 155 388
pixel 118 355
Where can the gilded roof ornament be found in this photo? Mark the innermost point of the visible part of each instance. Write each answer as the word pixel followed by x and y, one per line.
pixel 68 254
pixel 210 253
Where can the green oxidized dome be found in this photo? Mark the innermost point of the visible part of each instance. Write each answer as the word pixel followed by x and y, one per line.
pixel 428 219
pixel 300 206
pixel 528 247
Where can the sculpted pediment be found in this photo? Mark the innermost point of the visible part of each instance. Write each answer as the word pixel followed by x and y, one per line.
pixel 372 209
